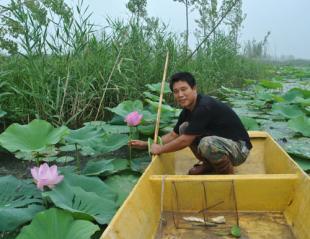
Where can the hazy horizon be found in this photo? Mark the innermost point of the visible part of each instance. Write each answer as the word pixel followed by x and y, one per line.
pixel 287 21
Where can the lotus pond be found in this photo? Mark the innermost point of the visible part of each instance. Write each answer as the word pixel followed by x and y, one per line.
pixel 96 170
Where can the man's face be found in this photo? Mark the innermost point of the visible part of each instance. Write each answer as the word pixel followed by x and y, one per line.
pixel 184 94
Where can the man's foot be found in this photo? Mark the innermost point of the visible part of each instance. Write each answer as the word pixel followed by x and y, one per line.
pixel 223 165
pixel 200 169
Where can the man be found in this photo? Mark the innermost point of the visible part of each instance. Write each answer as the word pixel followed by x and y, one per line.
pixel 209 127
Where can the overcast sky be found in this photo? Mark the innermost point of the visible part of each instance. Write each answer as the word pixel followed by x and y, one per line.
pixel 288 21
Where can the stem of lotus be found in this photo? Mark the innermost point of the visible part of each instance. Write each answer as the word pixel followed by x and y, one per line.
pixel 78 164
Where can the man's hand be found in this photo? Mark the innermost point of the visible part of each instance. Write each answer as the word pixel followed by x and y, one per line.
pixel 156 149
pixel 138 144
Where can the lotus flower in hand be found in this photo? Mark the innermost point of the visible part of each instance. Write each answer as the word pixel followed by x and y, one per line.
pixel 46 176
pixel 133 119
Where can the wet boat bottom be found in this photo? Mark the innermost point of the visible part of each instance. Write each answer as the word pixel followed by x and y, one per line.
pixel 254 225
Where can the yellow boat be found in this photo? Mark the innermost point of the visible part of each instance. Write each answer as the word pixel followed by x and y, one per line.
pixel 267 197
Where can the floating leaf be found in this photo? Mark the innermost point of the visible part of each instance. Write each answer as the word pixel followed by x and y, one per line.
pixel 19 202
pixel 35 136
pixel 249 123
pixel 288 111
pixel 140 164
pixel 235 231
pixel 122 184
pixel 151 96
pixel 105 167
pixel 84 136
pixel 126 107
pixel 57 224
pixel 84 197
pixel 157 87
pixel 270 84
pixel 2 113
pixel 300 124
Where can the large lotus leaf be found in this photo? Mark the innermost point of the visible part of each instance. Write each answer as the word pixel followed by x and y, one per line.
pixel 140 164
pixel 270 84
pixel 157 87
pixel 146 129
pixel 19 202
pixel 164 107
pixel 109 128
pixel 298 147
pixel 90 184
pixel 107 143
pixel 249 123
pixel 57 224
pixel 84 136
pixel 43 155
pixel 304 164
pixel 122 184
pixel 115 129
pixel 35 136
pixel 83 204
pixel 288 111
pixel 2 113
pixel 126 107
pixel 105 167
pixel 151 96
pixel 301 125
pixel 296 92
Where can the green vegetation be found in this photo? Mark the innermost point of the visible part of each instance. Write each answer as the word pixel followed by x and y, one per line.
pixel 57 66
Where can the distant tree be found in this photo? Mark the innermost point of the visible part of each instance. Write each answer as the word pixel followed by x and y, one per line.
pixel 137 8
pixel 254 49
pixel 187 3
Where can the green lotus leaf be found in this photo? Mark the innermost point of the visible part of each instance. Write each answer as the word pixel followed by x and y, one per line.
pixel 2 113
pixel 304 164
pixel 109 128
pixel 296 92
pixel 300 124
pixel 146 129
pixel 151 96
pixel 249 123
pixel 235 231
pixel 19 202
pixel 157 87
pixel 270 84
pixel 43 155
pixel 122 185
pixel 126 107
pixel 105 167
pixel 35 136
pixel 83 198
pixel 140 164
pixel 84 136
pixel 107 143
pixel 57 224
pixel 288 111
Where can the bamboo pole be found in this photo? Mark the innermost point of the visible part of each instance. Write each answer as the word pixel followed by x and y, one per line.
pixel 161 99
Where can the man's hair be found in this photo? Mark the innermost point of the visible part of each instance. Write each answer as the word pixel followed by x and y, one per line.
pixel 182 76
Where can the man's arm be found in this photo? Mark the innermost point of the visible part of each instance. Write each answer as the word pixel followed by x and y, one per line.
pixel 178 143
pixel 169 137
pixel 139 144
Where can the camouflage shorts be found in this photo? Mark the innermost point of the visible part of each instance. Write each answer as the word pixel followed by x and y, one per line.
pixel 214 148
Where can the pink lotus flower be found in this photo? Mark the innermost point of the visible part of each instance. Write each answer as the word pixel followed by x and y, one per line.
pixel 46 176
pixel 133 119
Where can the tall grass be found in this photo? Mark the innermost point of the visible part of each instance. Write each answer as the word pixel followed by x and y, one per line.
pixel 66 72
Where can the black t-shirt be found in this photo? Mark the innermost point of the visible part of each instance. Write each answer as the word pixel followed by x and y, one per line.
pixel 213 117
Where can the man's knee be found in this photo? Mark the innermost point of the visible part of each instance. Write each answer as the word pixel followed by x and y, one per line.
pixel 210 149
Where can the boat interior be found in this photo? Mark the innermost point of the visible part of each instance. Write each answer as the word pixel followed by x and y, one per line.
pixel 267 197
